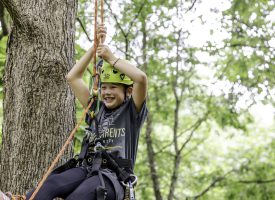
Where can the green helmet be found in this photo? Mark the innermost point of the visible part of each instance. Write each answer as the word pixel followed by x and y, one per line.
pixel 111 75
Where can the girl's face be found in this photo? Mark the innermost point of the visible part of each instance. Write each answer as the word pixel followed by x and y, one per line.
pixel 112 94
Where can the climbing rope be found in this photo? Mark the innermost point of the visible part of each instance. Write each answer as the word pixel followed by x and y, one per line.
pixel 61 152
pixel 96 81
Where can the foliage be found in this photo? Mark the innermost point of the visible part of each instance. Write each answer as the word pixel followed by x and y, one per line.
pixel 3 43
pixel 2 63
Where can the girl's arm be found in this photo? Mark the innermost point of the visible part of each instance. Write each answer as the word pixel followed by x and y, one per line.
pixel 75 76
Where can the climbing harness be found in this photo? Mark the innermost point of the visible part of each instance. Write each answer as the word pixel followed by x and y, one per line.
pixel 93 153
pixel 98 158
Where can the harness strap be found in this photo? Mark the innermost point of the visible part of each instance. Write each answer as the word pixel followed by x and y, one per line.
pixel 101 191
pixel 68 165
pixel 99 158
pixel 84 148
pixel 122 174
pixel 96 164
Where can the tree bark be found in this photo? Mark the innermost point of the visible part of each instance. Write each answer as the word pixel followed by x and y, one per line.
pixel 38 104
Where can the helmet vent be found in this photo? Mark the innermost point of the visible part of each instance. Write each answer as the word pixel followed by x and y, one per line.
pixel 122 76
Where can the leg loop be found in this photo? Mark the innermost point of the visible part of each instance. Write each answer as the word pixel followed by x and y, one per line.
pixel 101 192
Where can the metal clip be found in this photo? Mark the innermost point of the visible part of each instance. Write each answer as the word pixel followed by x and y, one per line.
pixel 127 192
pixel 134 182
pixel 98 147
pixel 132 192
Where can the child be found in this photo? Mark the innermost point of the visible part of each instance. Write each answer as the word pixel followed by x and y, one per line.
pixel 120 117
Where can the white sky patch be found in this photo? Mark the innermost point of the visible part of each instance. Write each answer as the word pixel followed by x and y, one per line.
pixel 86 44
pixel 205 57
pixel 264 114
pixel 248 51
pixel 272 42
pixel 211 29
pixel 220 88
pixel 252 17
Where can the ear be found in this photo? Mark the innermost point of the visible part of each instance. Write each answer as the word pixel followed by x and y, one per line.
pixel 129 91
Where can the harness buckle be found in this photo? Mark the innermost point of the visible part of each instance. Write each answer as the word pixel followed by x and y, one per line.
pixel 98 147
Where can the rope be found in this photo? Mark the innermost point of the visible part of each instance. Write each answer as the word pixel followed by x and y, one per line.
pixel 102 11
pixel 61 151
pixel 95 92
pixel 95 36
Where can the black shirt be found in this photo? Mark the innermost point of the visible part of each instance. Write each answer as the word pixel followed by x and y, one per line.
pixel 119 129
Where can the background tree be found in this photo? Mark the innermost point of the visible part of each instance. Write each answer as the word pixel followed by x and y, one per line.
pixel 4 21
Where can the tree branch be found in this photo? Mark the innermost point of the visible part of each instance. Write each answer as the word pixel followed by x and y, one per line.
pixel 116 19
pixel 257 181
pixel 83 28
pixel 136 16
pixel 211 185
pixel 131 23
pixel 192 128
pixel 192 5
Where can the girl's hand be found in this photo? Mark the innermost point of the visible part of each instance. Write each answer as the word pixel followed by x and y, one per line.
pixel 105 52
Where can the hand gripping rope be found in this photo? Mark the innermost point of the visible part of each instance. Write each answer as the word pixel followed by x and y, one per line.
pixel 94 97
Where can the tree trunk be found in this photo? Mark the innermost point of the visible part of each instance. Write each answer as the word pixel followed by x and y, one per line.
pixel 177 157
pixel 149 128
pixel 151 158
pixel 38 104
pixel 178 150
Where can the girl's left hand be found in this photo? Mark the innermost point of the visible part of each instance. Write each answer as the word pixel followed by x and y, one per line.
pixel 105 52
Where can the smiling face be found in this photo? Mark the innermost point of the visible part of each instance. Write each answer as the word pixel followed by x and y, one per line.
pixel 113 94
